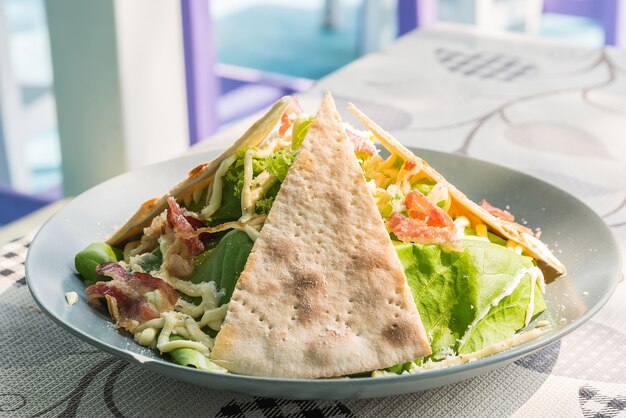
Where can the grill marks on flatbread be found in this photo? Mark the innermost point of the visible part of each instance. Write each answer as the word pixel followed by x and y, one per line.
pixel 323 292
pixel 549 264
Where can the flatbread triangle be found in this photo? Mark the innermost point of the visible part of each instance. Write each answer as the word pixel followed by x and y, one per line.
pixel 323 292
pixel 532 246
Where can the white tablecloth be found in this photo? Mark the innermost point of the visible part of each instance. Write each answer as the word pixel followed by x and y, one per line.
pixel 554 111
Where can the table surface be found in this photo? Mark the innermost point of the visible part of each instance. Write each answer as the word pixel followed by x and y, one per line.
pixel 555 111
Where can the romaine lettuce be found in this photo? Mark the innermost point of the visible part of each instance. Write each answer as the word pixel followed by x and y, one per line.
pixel 453 292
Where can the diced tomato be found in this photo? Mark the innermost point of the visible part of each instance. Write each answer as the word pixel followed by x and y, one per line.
pixel 420 207
pixel 426 223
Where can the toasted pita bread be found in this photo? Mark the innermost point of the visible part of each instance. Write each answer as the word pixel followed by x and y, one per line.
pixel 202 175
pixel 532 246
pixel 323 292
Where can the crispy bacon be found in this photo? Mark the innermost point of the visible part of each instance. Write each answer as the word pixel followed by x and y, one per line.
pixel 426 223
pixel 126 295
pixel 361 145
pixel 500 213
pixel 182 227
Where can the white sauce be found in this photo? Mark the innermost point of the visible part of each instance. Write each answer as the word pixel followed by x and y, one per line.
pixel 215 199
pixel 460 223
pixel 247 205
pixel 536 276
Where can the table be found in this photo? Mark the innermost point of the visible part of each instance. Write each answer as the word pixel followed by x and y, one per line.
pixel 555 111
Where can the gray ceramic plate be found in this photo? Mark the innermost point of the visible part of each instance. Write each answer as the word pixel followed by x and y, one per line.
pixel 585 245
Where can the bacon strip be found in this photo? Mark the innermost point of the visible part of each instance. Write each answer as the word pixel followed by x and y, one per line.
pixel 426 223
pixel 182 227
pixel 126 295
pixel 500 213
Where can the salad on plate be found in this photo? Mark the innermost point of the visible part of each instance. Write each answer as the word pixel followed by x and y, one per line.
pixel 304 251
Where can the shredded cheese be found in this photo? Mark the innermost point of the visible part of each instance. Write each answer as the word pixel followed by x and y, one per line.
pixel 481 230
pixel 213 316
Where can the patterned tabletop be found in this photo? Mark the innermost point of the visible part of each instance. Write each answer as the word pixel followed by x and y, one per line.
pixel 555 111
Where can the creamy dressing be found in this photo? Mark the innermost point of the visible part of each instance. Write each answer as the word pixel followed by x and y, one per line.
pixel 173 320
pixel 460 223
pixel 247 205
pixel 214 318
pixel 536 278
pixel 252 232
pixel 215 197
pixel 156 333
pixel 440 193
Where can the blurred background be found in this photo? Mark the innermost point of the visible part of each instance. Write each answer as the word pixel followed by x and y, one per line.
pixel 222 60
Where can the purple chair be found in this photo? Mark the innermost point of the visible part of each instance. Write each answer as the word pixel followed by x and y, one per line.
pixel 220 93
pixel 14 205
pixel 611 14
pixel 414 14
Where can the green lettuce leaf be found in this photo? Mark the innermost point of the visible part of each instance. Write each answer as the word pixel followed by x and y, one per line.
pixel 443 288
pixel 230 209
pixel 225 263
pixel 234 174
pixel 300 128
pixel 500 270
pixel 91 257
pixel 191 357
pixel 277 163
pixel 264 204
pixel 152 261
pixel 424 186
pixel 197 206
pixel 454 292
